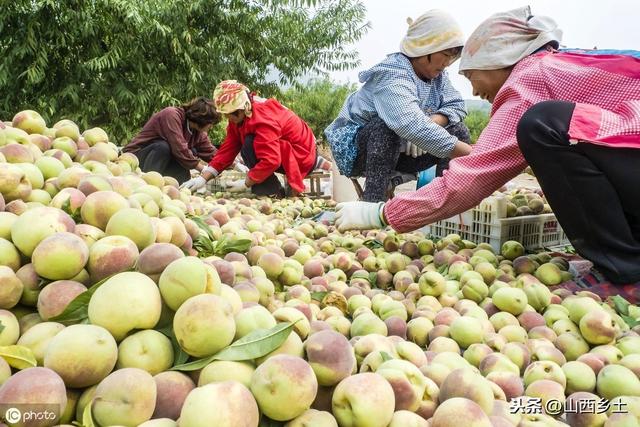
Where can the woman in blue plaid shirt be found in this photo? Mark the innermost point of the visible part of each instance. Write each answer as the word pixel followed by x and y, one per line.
pixel 407 116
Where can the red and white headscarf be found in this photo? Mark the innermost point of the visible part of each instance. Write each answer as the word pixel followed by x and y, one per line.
pixel 505 38
pixel 230 96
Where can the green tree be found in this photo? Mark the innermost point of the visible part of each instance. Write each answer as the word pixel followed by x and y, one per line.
pixel 113 63
pixel 318 103
pixel 476 121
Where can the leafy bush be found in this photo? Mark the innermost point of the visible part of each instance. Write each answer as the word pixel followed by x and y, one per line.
pixel 318 103
pixel 476 121
pixel 114 63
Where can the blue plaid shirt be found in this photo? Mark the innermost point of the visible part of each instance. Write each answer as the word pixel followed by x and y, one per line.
pixel 404 102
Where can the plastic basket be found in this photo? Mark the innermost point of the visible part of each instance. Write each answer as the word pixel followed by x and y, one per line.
pixel 488 223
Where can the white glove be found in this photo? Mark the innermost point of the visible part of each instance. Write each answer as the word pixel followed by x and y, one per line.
pixel 414 151
pixel 240 167
pixel 194 184
pixel 359 216
pixel 237 186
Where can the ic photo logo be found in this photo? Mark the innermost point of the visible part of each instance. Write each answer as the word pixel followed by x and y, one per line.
pixel 17 413
pixel 13 415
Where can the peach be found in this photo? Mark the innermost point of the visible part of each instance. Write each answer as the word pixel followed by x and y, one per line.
pixel 60 256
pixel 156 257
pixel 172 389
pixel 364 399
pixel 38 337
pixel 55 297
pixel 82 355
pixel 126 397
pixel 32 387
pixel 185 277
pixel 126 301
pixel 111 255
pixel 100 206
pixel 467 384
pixel 11 287
pixel 204 325
pixel 459 411
pixel 284 387
pixel 148 350
pixel 225 404
pixel 35 225
pixel 331 357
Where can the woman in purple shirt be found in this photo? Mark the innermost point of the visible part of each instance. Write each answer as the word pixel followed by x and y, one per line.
pixel 175 139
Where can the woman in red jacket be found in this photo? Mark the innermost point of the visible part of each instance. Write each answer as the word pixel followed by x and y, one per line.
pixel 270 138
pixel 175 139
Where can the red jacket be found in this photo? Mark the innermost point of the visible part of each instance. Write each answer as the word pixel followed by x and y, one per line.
pixel 280 138
pixel 170 124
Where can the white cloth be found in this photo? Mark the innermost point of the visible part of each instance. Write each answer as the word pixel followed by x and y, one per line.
pixel 505 38
pixel 194 184
pixel 240 167
pixel 432 32
pixel 359 216
pixel 237 186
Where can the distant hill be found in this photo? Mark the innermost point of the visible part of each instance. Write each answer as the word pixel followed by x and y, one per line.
pixel 478 104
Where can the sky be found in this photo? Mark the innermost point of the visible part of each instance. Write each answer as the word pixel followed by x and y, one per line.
pixel 613 24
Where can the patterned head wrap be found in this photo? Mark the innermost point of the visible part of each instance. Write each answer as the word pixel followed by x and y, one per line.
pixel 432 32
pixel 507 37
pixel 229 96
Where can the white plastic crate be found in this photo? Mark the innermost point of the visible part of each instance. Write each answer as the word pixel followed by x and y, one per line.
pixel 220 182
pixel 488 223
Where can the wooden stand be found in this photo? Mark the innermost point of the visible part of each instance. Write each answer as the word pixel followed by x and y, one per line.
pixel 315 185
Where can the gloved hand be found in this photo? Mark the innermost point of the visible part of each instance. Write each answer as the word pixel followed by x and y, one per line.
pixel 194 184
pixel 237 186
pixel 413 150
pixel 359 216
pixel 240 167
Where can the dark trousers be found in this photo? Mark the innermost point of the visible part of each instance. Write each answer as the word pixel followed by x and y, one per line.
pixel 594 190
pixel 270 186
pixel 379 157
pixel 157 157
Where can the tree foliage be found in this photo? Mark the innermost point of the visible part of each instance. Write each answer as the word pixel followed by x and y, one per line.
pixel 113 63
pixel 476 121
pixel 318 103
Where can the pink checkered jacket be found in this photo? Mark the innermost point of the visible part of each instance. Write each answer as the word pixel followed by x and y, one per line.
pixel 606 90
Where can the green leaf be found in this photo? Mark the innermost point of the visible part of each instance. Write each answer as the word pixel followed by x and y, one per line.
pixel 372 244
pixel 202 225
pixel 318 296
pixel 225 246
pixel 385 356
pixel 204 246
pixel 18 356
pixel 256 344
pixel 621 305
pixel 87 416
pixel 77 310
pixel 630 320
pixel 373 278
pixel 179 355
